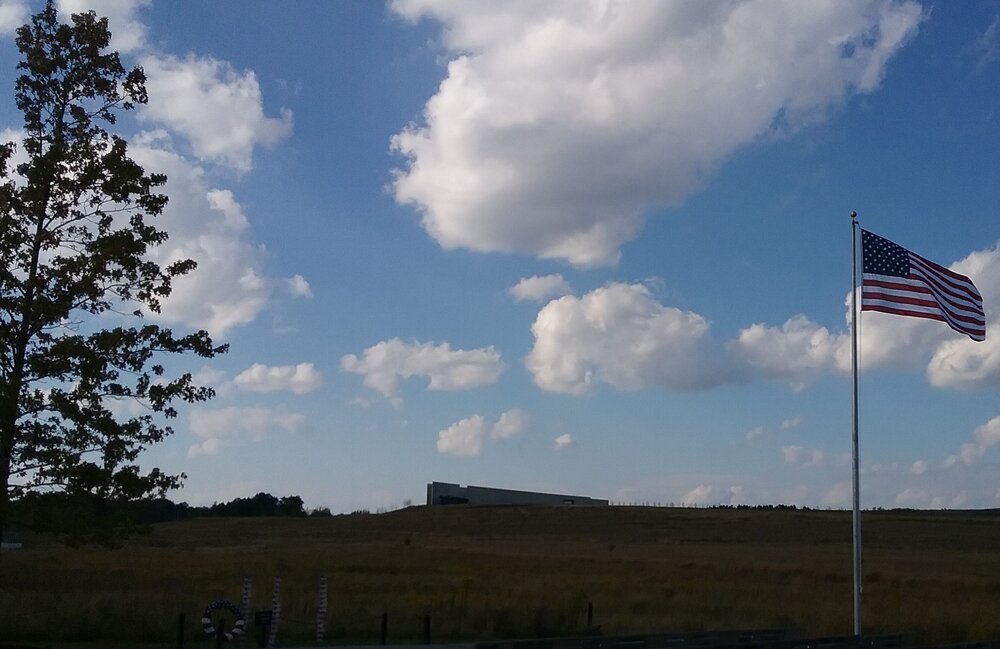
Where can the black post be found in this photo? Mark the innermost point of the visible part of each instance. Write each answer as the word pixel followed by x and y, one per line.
pixel 385 628
pixel 427 629
pixel 265 629
pixel 590 614
pixel 180 631
pixel 220 633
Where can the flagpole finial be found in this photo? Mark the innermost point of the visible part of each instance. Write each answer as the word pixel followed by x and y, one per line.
pixel 854 215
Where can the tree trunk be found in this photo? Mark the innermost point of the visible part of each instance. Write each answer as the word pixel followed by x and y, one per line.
pixel 10 399
pixel 8 420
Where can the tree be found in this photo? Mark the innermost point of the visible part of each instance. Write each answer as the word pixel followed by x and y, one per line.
pixel 76 281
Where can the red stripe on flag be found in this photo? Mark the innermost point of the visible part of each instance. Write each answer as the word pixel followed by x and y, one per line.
pixel 976 333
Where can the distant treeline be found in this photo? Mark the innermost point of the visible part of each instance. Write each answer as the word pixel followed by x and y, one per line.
pixel 263 504
pixel 82 514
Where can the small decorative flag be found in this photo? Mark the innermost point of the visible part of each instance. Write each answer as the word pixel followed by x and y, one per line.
pixel 895 280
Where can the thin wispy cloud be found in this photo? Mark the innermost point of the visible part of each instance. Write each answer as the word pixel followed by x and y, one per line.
pixel 387 363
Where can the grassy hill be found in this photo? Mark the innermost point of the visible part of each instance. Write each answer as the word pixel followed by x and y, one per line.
pixel 490 572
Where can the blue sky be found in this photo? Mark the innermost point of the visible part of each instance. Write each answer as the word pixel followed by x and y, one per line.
pixel 586 247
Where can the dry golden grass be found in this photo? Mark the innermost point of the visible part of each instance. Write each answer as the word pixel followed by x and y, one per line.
pixel 518 571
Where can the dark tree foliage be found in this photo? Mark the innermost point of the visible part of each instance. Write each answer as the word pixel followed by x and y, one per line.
pixel 58 511
pixel 75 280
pixel 263 504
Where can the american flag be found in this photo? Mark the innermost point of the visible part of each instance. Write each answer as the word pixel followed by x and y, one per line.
pixel 895 280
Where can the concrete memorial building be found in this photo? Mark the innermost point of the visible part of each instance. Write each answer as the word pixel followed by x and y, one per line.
pixel 446 493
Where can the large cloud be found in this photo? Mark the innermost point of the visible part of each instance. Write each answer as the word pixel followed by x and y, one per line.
pixel 620 335
pixel 229 287
pixel 560 124
pixel 386 363
pixel 216 108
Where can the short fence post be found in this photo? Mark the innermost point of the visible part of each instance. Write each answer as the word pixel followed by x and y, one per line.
pixel 427 629
pixel 590 614
pixel 385 628
pixel 220 633
pixel 180 631
pixel 265 630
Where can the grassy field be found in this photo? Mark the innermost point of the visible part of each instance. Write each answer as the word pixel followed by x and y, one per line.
pixel 485 573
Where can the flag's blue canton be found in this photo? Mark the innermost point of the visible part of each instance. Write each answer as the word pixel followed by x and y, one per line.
pixel 883 257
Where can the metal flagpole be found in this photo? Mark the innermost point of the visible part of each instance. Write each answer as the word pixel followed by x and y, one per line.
pixel 854 423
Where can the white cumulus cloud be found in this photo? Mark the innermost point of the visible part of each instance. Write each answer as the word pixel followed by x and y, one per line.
pixel 464 438
pixel 386 363
pixel 217 109
pixel 510 424
pixel 300 379
pixel 215 379
pixel 620 335
pixel 561 124
pixel 562 442
pixel 964 363
pixel 229 287
pixel 700 495
pixel 298 286
pixel 540 288
pixel 797 352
